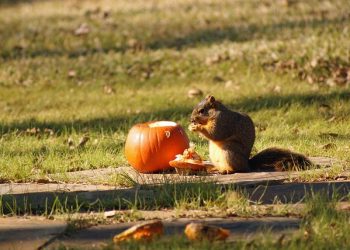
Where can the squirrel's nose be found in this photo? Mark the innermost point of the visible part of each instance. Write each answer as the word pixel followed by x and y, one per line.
pixel 193 119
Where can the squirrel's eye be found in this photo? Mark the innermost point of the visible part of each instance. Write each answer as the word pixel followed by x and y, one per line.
pixel 201 111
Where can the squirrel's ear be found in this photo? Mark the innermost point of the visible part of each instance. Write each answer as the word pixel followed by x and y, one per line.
pixel 210 98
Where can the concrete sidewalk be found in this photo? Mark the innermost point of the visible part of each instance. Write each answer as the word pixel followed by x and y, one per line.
pixel 38 197
pixel 28 232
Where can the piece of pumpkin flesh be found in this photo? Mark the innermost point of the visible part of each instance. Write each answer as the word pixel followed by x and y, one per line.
pixel 144 231
pixel 199 231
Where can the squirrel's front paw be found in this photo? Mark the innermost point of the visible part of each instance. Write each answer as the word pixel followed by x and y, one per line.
pixel 193 127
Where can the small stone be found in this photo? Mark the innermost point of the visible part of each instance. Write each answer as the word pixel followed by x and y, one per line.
pixel 228 84
pixel 330 82
pixel 49 131
pixel 314 62
pixel 108 89
pixel 70 143
pixel 277 89
pixel 95 142
pixel 135 45
pixel 72 73
pixel 83 140
pixel 83 29
pixel 109 214
pixel 310 79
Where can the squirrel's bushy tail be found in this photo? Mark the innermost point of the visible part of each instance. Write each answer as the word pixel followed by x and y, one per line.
pixel 276 159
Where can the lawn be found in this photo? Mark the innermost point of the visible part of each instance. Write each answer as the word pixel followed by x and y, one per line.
pixel 70 69
pixel 75 76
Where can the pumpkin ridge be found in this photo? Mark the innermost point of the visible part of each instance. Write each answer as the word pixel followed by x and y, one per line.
pixel 140 148
pixel 157 139
pixel 149 140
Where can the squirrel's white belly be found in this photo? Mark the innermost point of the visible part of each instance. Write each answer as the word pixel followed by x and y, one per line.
pixel 218 156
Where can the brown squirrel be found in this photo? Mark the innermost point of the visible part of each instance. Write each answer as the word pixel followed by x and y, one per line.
pixel 231 137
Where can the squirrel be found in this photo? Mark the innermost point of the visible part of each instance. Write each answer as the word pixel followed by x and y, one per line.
pixel 231 137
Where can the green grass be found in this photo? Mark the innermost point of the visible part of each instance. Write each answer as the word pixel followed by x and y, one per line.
pixel 180 196
pixel 322 227
pixel 176 46
pixel 324 224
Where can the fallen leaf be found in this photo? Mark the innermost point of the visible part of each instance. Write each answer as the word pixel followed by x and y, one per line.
pixel 194 92
pixel 218 79
pixel 217 58
pixel 45 180
pixel 314 62
pixel 135 45
pixel 72 73
pixel 49 131
pixel 109 214
pixel 296 131
pixel 277 89
pixel 70 143
pixel 105 14
pixel 32 131
pixel 108 89
pixel 83 29
pixel 228 84
pixel 200 231
pixel 83 140
pixel 260 127
pixel 325 109
pixel 306 234
pixel 326 135
pixel 310 79
pixel 333 118
pixel 330 82
pixel 329 146
pixel 144 231
pixel 95 142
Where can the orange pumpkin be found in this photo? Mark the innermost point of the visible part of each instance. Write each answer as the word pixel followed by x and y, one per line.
pixel 150 146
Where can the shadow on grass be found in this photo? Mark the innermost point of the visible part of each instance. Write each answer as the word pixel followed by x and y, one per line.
pixel 106 124
pixel 124 121
pixel 170 195
pixel 197 37
pixel 15 2
pixel 253 104
pixel 241 33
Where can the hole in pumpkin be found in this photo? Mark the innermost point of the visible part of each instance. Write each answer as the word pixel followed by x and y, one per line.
pixel 162 124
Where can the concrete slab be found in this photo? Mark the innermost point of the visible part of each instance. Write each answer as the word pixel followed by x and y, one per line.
pixel 29 232
pixel 21 188
pixel 297 192
pixel 29 199
pixel 38 196
pixel 90 176
pixel 99 236
pixel 38 199
pixel 102 175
